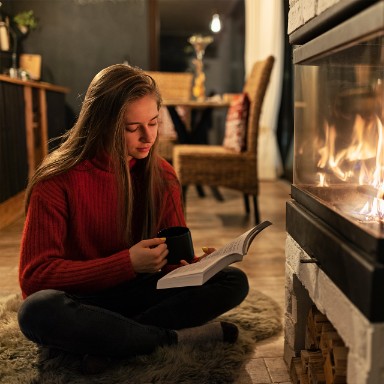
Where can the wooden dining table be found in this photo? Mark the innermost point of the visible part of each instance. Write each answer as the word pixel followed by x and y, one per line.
pixel 193 128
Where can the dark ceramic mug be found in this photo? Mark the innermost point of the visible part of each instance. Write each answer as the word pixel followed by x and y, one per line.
pixel 179 243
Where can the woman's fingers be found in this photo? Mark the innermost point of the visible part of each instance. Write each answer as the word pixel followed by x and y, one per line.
pixel 150 243
pixel 208 250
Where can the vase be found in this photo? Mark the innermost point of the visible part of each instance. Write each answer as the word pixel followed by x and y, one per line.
pixel 199 44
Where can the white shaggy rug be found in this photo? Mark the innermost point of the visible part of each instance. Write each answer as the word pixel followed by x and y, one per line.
pixel 22 362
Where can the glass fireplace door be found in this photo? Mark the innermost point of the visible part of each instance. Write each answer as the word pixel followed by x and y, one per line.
pixel 339 136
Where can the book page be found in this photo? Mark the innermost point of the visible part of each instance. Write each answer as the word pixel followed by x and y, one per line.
pixel 252 233
pixel 201 267
pixel 241 244
pixel 235 246
pixel 198 267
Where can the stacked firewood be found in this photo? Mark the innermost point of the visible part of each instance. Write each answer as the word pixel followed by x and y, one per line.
pixel 324 361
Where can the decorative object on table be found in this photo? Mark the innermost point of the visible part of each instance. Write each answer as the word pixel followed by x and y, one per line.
pixel 31 64
pixel 22 24
pixel 217 166
pixel 199 44
pixel 4 31
pixel 25 21
pixel 258 317
pixel 4 37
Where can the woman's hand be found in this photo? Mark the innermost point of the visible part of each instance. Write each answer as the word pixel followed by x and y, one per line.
pixel 207 251
pixel 149 256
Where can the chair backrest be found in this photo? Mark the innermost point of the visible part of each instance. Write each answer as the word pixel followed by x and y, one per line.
pixel 256 86
pixel 173 85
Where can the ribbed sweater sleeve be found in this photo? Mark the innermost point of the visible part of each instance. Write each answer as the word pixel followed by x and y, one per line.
pixel 71 239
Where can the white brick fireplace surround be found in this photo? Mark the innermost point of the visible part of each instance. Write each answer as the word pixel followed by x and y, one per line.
pixel 307 284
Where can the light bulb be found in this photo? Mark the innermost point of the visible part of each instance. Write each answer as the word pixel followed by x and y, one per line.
pixel 215 23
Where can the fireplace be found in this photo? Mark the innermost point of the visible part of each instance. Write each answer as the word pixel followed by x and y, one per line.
pixel 335 220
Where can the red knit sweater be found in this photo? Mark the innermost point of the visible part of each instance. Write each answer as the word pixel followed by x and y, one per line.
pixel 71 239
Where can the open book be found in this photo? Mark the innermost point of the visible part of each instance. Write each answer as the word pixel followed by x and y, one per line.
pixel 198 273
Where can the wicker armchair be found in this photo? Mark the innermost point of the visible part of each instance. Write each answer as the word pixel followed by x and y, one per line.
pixel 217 166
pixel 173 86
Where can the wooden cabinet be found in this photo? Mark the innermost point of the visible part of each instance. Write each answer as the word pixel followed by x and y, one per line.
pixel 31 113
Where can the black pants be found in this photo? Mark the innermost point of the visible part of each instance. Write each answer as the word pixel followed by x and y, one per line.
pixel 130 319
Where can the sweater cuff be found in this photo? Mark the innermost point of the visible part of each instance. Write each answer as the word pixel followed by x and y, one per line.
pixel 127 264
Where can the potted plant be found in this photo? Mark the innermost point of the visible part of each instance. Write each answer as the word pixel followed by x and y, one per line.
pixel 25 21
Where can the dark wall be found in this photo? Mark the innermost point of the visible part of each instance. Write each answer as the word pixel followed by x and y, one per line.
pixel 77 38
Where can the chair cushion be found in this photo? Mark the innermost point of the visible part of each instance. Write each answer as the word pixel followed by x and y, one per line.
pixel 236 123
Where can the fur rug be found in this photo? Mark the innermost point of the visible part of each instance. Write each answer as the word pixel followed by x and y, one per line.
pixel 22 362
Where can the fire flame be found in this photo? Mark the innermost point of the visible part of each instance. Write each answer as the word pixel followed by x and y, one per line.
pixel 359 161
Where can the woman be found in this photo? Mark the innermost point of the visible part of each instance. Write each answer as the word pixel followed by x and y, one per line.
pixel 90 258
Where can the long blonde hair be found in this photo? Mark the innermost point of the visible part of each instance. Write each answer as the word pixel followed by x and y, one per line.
pixel 100 127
